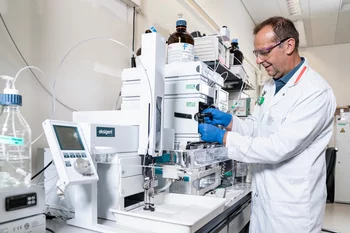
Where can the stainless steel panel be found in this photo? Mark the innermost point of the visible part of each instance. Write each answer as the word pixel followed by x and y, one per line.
pixel 224 230
pixel 237 224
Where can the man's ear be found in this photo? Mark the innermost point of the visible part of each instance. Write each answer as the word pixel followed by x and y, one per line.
pixel 290 46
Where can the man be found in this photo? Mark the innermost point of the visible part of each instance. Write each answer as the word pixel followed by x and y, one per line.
pixel 285 138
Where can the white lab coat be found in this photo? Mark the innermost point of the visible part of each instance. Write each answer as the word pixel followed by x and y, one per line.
pixel 285 140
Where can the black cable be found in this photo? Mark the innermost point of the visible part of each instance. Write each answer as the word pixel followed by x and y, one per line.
pixel 133 59
pixel 42 170
pixel 25 61
pixel 49 230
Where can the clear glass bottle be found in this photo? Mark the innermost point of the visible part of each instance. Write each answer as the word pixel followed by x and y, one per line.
pixel 15 142
pixel 180 43
pixel 241 174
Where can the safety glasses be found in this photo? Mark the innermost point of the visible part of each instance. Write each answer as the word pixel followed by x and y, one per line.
pixel 264 53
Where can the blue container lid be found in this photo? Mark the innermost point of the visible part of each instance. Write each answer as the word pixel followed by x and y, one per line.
pixel 181 22
pixel 10 99
pixel 153 29
pixel 234 41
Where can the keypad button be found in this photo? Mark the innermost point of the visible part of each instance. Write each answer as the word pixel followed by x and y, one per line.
pixel 83 155
pixel 78 155
pixel 68 164
pixel 29 198
pixel 29 202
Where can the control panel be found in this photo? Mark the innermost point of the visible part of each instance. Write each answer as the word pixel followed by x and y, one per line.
pixel 20 201
pixel 70 152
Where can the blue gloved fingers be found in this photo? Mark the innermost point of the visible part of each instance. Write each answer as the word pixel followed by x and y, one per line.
pixel 203 130
pixel 214 118
pixel 219 117
pixel 220 136
pixel 210 110
pixel 210 133
pixel 226 119
pixel 208 120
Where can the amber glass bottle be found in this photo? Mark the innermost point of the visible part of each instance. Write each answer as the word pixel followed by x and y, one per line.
pixel 180 43
pixel 235 53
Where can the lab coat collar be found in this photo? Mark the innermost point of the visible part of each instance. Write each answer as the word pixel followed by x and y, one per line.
pixel 298 76
pixel 294 81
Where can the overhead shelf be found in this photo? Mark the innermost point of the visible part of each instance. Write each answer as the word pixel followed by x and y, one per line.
pixel 237 86
pixel 234 77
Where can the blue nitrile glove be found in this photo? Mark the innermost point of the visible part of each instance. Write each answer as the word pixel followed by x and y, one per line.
pixel 218 117
pixel 211 133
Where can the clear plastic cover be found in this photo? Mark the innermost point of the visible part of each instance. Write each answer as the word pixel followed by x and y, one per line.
pixel 204 157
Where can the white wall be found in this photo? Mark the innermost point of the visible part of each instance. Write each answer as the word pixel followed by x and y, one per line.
pixel 163 15
pixel 44 32
pixel 332 63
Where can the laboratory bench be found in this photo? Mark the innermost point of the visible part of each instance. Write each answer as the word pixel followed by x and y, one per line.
pixel 234 219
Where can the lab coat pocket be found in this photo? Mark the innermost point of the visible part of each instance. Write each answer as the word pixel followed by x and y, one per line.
pixel 287 217
pixel 287 205
pixel 293 189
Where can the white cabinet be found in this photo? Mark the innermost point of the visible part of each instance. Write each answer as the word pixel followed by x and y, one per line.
pixel 342 171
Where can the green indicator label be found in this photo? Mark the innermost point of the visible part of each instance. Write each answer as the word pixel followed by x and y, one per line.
pixel 11 140
pixel 190 86
pixel 191 104
pixel 341 124
pixel 261 100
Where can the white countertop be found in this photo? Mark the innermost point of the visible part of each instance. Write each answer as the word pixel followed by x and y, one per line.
pixel 62 227
pixel 232 196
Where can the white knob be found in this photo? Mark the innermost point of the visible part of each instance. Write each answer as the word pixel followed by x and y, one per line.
pixel 82 166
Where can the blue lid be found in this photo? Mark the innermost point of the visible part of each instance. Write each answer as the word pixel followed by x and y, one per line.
pixel 181 22
pixel 234 41
pixel 153 29
pixel 10 99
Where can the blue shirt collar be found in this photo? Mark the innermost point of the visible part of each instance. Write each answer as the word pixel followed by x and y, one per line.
pixel 282 81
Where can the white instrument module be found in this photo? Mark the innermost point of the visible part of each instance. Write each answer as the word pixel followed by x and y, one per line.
pixel 70 152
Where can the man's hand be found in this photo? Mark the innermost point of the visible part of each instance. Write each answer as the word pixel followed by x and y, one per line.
pixel 210 133
pixel 218 117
